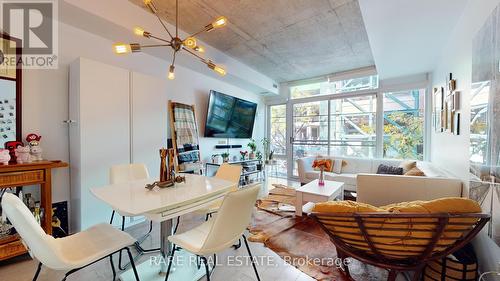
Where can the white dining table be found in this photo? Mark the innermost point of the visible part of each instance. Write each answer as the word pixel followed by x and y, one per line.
pixel 163 205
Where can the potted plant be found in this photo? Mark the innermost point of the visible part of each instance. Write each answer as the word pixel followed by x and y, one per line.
pixel 215 158
pixel 253 147
pixel 266 144
pixel 243 155
pixel 225 157
pixel 258 155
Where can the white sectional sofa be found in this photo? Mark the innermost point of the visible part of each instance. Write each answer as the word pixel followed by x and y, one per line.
pixel 359 175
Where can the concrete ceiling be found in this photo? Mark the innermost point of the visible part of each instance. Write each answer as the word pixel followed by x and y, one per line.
pixel 407 36
pixel 283 39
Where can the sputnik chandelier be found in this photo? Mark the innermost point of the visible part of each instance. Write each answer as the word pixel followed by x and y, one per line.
pixel 189 44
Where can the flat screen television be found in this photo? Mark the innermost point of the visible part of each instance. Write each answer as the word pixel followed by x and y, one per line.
pixel 229 117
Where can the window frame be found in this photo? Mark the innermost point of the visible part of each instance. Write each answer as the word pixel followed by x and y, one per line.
pixel 384 86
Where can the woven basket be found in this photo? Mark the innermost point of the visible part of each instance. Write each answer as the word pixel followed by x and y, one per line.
pixel 461 265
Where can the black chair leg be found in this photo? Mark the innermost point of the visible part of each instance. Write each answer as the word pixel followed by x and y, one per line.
pixel 251 258
pixel 133 264
pixel 207 271
pixel 37 271
pixel 237 246
pixel 170 262
pixel 112 217
pixel 120 266
pixel 176 224
pixel 112 267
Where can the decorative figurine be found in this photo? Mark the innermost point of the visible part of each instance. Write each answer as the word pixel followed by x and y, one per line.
pixel 12 146
pixel 4 156
pixel 36 150
pixel 23 155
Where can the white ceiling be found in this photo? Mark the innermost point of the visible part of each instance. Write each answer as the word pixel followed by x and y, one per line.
pixel 283 39
pixel 406 36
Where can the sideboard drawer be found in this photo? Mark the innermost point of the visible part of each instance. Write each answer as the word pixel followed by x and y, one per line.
pixel 21 178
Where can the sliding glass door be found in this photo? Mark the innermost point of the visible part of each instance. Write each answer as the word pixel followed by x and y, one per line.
pixel 309 131
pixel 277 137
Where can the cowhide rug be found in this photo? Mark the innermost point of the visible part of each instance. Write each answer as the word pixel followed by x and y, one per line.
pixel 300 241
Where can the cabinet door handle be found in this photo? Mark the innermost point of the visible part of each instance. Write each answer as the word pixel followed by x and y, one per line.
pixel 69 121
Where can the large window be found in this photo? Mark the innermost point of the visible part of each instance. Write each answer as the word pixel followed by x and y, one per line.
pixel 334 87
pixel 278 139
pixel 352 126
pixel 404 124
pixel 310 130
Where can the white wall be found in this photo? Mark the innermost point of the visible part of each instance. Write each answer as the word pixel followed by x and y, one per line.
pixel 45 96
pixel 448 150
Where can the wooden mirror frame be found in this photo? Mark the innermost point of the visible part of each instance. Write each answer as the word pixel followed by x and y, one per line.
pixel 19 84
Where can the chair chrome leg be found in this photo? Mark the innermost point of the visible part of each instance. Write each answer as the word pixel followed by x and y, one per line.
pixel 170 261
pixel 207 270
pixel 112 266
pixel 37 271
pixel 133 264
pixel 251 257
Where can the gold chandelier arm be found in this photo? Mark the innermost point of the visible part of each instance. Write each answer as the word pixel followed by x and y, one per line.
pixel 155 45
pixel 161 39
pixel 199 32
pixel 196 55
pixel 155 12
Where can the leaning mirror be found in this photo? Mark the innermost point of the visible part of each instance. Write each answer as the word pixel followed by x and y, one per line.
pixel 10 89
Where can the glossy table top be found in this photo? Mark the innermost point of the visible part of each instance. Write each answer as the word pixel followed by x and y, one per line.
pixel 133 199
pixel 327 190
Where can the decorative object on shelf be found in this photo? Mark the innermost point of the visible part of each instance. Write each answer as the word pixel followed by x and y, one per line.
pixel 322 165
pixel 4 156
pixel 243 155
pixel 167 169
pixel 60 219
pixel 34 143
pixel 189 44
pixel 12 146
pixel 253 147
pixel 215 158
pixel 23 155
pixel 29 201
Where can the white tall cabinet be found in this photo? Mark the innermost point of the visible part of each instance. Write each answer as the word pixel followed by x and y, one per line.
pixel 116 117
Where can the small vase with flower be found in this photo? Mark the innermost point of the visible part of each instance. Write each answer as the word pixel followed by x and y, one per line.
pixel 322 165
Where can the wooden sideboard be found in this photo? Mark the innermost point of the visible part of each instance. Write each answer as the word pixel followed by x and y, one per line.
pixel 35 173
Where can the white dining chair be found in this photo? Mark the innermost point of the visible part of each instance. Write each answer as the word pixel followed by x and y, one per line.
pixel 121 174
pixel 227 172
pixel 220 232
pixel 70 253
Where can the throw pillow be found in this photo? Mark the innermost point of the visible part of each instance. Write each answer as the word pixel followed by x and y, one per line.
pixel 389 170
pixel 408 165
pixel 415 172
pixel 337 166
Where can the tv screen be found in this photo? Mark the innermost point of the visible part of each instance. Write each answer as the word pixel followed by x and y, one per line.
pixel 229 117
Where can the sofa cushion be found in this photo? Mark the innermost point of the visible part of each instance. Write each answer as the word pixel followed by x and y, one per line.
pixel 313 175
pixel 349 179
pixel 345 207
pixel 357 165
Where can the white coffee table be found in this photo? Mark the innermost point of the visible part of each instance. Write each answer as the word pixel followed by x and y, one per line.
pixel 313 192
